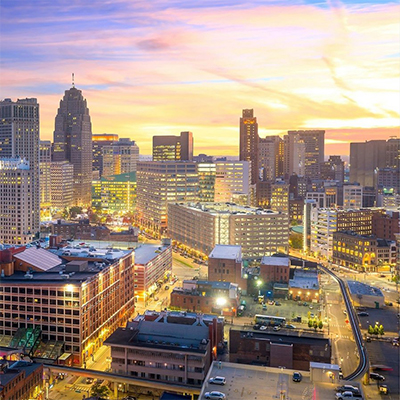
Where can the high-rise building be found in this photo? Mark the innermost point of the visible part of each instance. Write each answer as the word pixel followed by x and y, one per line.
pixel 100 140
pixel 280 197
pixel 314 142
pixel 161 182
pixel 19 139
pixel 120 157
pixel 352 197
pixel 73 142
pixel 232 178
pixel 206 172
pixel 62 184
pixel 45 179
pixel 249 140
pixel 333 169
pixel 173 148
pixel 365 159
pixel 270 157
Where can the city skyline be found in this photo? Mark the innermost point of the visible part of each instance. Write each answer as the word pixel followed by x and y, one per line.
pixel 168 67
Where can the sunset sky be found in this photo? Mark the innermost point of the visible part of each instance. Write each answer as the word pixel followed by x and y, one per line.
pixel 158 67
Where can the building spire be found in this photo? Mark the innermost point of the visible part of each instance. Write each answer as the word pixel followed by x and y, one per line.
pixel 73 80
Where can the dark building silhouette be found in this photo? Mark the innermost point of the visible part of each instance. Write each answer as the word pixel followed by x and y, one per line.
pixel 173 148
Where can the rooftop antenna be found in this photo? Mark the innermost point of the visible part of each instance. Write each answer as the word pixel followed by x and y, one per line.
pixel 73 80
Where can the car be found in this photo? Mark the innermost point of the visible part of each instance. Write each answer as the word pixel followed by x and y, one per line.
pixel 263 327
pixel 166 287
pixel 290 326
pixel 345 312
pixel 277 328
pixel 311 307
pixel 348 395
pixel 214 395
pixel 395 342
pixel 379 367
pixel 312 315
pixel 271 302
pixel 305 304
pixel 376 377
pixel 297 377
pixel 257 327
pixel 277 303
pixel 264 306
pixel 348 388
pixel 368 339
pixel 363 314
pixel 89 380
pixel 217 380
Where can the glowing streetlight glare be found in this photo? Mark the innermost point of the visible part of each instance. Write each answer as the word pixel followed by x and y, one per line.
pixel 259 283
pixel 221 301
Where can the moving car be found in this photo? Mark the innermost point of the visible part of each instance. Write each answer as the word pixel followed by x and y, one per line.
pixel 277 328
pixel 379 367
pixel 217 380
pixel 297 377
pixel 215 395
pixel 363 314
pixel 348 395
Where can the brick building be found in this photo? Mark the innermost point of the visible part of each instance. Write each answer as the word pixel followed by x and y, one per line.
pixel 385 226
pixel 275 269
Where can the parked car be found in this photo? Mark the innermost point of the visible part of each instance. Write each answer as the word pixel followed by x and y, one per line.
pixel 297 377
pixel 264 306
pixel 363 314
pixel 89 381
pixel 277 328
pixel 348 395
pixel 395 342
pixel 166 287
pixel 263 327
pixel 277 303
pixel 257 327
pixel 290 326
pixel 215 395
pixel 217 380
pixel 348 388
pixel 376 377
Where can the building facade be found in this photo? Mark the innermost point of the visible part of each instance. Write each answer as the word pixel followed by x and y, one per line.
pixel 73 142
pixel 159 183
pixel 19 138
pixel 173 148
pixel 249 139
pixel 99 141
pixel 45 176
pixel 202 226
pixel 352 197
pixel 62 184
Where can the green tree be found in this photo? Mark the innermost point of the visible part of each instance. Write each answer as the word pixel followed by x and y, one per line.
pixel 310 323
pixel 370 330
pixel 296 240
pixel 376 330
pixel 381 331
pixel 320 325
pixel 65 213
pixel 74 211
pixel 315 324
pixel 100 391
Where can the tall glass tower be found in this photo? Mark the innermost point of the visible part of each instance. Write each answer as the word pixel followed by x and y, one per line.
pixel 73 142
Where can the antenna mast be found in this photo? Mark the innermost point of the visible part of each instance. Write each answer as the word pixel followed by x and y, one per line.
pixel 73 80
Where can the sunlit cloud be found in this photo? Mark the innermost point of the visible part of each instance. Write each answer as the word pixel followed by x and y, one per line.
pixel 162 67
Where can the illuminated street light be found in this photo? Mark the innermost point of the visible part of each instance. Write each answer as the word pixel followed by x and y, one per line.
pixel 221 301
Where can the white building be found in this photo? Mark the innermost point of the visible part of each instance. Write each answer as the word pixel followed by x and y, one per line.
pixel 323 224
pixel 62 184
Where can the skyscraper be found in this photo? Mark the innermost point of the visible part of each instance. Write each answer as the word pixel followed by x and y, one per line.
pixel 173 148
pixel 314 143
pixel 45 177
pixel 19 171
pixel 99 141
pixel 248 147
pixel 73 142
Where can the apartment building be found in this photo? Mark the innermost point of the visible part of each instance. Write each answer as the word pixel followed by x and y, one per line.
pixel 201 226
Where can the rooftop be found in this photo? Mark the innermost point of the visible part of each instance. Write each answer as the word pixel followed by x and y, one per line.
pixel 39 258
pixel 147 252
pixel 304 283
pixel 356 288
pixel 15 369
pixel 280 261
pixel 226 252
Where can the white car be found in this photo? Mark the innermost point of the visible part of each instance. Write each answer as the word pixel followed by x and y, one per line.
pixel 215 395
pixel 217 380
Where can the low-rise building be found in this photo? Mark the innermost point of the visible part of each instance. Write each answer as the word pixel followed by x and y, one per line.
pixel 21 380
pixel 305 285
pixel 206 297
pixel 153 265
pixel 365 296
pixel 275 269
pixel 161 351
pixel 274 349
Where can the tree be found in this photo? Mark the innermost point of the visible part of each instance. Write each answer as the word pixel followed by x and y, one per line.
pixel 320 325
pixel 296 240
pixel 381 331
pixel 371 330
pixel 310 323
pixel 99 391
pixel 74 211
pixel 315 324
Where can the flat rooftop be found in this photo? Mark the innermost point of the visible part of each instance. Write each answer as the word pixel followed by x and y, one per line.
pixel 227 208
pixel 304 283
pixel 226 252
pixel 147 252
pixel 248 382
pixel 356 288
pixel 280 261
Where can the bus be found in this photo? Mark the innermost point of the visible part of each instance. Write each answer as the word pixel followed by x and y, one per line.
pixel 269 320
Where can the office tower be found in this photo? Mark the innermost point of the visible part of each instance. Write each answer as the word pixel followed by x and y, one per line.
pixel 20 199
pixel 314 142
pixel 280 197
pixel 323 224
pixel 201 226
pixel 100 140
pixel 352 197
pixel 161 182
pixel 62 184
pixel 392 156
pixel 232 178
pixel 263 194
pixel 389 179
pixel 333 169
pixel 248 147
pixel 206 172
pixel 120 157
pixel 173 148
pixel 270 157
pixel 365 159
pixel 309 205
pixel 73 142
pixel 115 193
pixel 45 179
